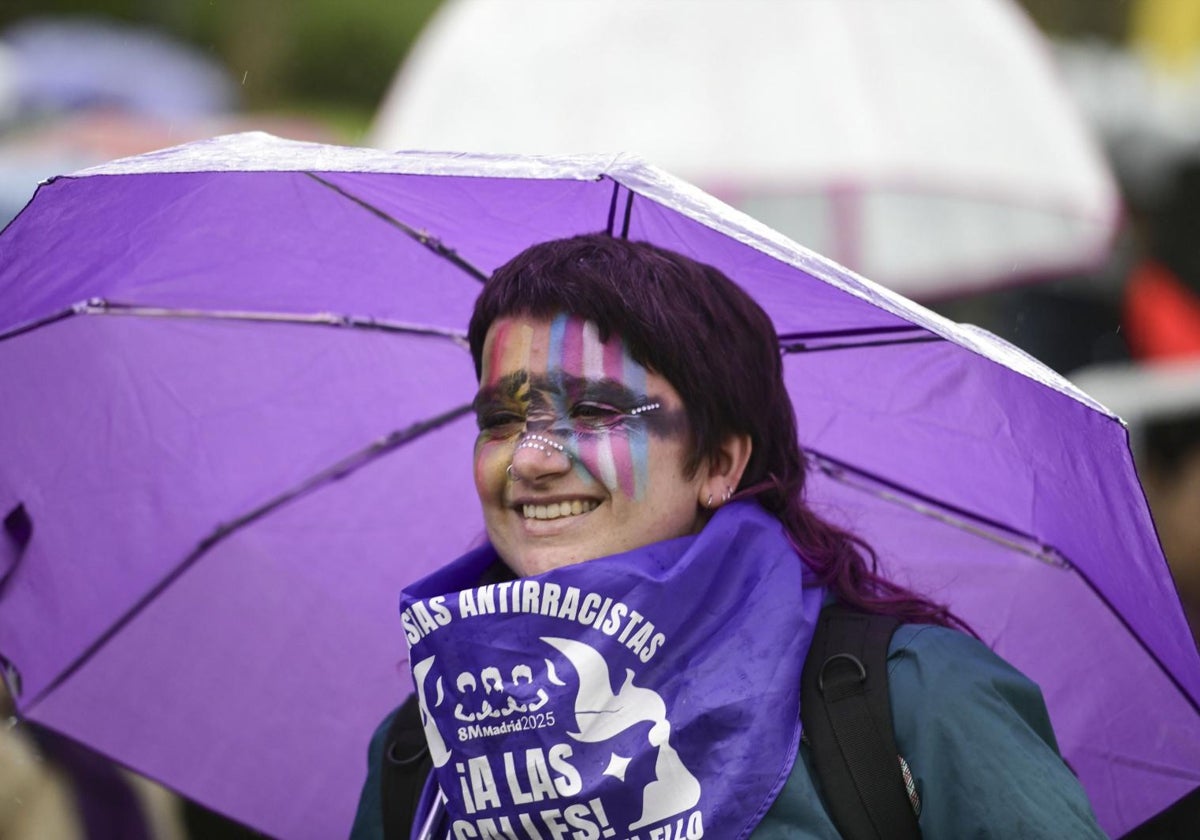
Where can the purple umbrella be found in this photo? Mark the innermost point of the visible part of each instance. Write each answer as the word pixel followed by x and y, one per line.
pixel 233 383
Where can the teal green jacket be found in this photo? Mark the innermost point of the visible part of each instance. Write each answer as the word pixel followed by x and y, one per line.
pixel 975 734
pixel 978 740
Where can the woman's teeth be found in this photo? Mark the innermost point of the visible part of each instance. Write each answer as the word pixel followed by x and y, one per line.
pixel 559 509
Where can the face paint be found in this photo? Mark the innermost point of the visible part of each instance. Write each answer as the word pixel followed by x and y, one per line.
pixel 597 445
pixel 608 456
pixel 510 349
pixel 591 398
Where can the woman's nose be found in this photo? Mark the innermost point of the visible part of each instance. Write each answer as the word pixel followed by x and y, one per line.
pixel 538 457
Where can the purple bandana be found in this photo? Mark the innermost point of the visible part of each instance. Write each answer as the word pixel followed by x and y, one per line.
pixel 652 695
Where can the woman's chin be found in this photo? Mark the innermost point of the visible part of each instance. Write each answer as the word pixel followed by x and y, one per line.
pixel 526 561
pixel 534 556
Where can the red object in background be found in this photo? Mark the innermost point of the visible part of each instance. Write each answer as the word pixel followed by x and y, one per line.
pixel 1162 315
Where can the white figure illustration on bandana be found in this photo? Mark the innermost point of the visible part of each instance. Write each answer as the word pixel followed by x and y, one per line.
pixel 439 754
pixel 493 682
pixel 600 715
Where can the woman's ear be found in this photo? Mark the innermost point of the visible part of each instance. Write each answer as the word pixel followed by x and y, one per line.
pixel 724 472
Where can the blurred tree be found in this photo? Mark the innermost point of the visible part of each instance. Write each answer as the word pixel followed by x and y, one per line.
pixel 1107 19
pixel 129 10
pixel 354 46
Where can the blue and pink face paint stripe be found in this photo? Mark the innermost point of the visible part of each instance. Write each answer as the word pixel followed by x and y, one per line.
pixel 619 458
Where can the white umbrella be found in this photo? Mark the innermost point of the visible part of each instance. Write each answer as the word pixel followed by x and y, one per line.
pixel 924 143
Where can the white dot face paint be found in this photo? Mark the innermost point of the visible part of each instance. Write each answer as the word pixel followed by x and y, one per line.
pixel 596 445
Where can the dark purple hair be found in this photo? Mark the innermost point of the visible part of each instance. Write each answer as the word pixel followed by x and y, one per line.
pixel 691 324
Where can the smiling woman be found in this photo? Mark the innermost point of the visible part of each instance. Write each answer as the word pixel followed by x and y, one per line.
pixel 582 452
pixel 623 657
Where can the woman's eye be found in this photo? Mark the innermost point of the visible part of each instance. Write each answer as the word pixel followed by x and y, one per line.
pixel 596 414
pixel 499 421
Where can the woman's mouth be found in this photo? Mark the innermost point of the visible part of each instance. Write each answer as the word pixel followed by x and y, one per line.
pixel 557 510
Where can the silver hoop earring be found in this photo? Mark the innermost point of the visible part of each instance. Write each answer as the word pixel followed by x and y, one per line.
pixel 513 477
pixel 709 504
pixel 728 493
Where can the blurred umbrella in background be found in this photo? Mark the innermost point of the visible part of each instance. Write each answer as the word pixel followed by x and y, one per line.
pixel 234 387
pixel 61 64
pixel 1142 95
pixel 75 92
pixel 927 145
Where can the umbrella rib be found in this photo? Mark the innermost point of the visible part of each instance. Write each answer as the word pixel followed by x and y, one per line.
pixel 1149 651
pixel 99 306
pixel 30 326
pixel 849 332
pixel 431 242
pixel 812 342
pixel 612 208
pixel 1018 541
pixel 964 520
pixel 801 347
pixel 340 470
pixel 610 227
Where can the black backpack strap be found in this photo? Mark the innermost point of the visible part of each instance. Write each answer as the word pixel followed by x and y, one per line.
pixel 847 720
pixel 406 765
pixel 1178 822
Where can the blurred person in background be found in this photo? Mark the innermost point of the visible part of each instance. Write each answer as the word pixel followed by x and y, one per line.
pixel 51 787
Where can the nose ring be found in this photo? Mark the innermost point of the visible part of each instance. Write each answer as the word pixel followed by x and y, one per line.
pixel 547 446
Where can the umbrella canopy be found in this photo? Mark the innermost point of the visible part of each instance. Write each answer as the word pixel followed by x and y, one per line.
pixel 233 381
pixel 928 145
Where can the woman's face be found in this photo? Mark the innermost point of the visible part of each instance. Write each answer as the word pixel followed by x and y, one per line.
pixel 580 451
